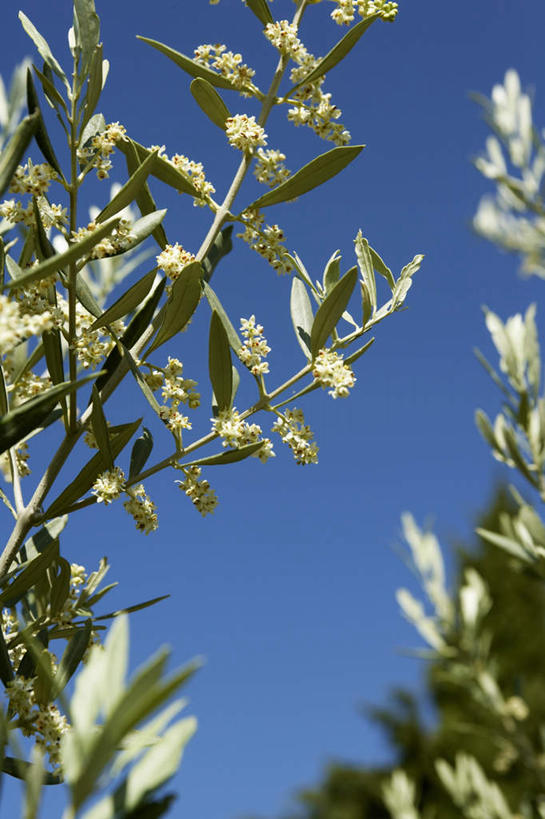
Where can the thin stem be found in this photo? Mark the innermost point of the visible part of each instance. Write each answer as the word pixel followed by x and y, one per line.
pixel 16 479
pixel 72 273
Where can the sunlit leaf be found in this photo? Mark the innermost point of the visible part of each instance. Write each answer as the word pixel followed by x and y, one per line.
pixel 182 303
pixel 210 102
pixel 14 151
pixel 331 310
pixel 128 302
pixel 301 315
pixel 190 66
pixel 219 363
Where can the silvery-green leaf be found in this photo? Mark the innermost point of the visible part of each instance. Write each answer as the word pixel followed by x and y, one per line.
pixel 354 356
pixel 221 246
pixel 365 262
pixel 141 451
pixel 146 736
pixel 94 86
pixel 87 31
pixel 144 199
pixel 53 97
pixel 130 609
pixel 219 363
pixel 100 429
pixel 331 310
pixel 382 268
pixel 71 658
pixel 142 228
pixel 261 10
pixel 128 302
pixel 210 102
pixel 216 305
pixel 60 586
pixel 230 456
pixel 85 297
pixel 130 189
pixel 43 48
pixel 39 541
pixel 137 326
pixel 84 480
pixel 4 404
pixel 30 575
pixel 75 251
pixel 20 421
pixel 236 382
pixel 163 170
pixel 183 301
pixel 505 543
pixel 95 125
pixel 332 272
pixel 300 270
pixel 190 66
pixel 53 355
pixel 6 669
pixel 338 52
pixel 315 173
pixel 14 151
pixel 301 315
pixel 41 135
pixel 20 769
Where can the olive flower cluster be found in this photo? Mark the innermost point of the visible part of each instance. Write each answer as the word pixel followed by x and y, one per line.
pixel 291 427
pixel 330 371
pixel 202 496
pixel 227 64
pixel 235 432
pixel 255 347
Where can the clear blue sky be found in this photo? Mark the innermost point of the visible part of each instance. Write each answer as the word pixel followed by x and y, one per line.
pixel 288 590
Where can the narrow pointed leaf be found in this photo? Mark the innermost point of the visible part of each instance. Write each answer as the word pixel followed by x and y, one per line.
pixel 141 451
pixel 75 251
pixel 163 170
pixel 221 247
pixel 143 228
pixel 144 199
pixel 216 305
pixel 315 173
pixel 331 310
pixel 137 326
pixel 236 382
pixel 87 27
pixel 261 10
pixel 6 669
pixel 354 356
pixel 189 66
pixel 130 609
pixel 70 660
pixel 301 315
pixel 39 542
pixel 84 480
pixel 94 86
pixel 15 149
pixel 210 102
pixel 219 363
pixel 338 52
pixel 31 575
pixel 42 46
pixel 184 299
pixel 20 769
pixel 42 137
pixel 60 587
pixel 19 422
pixel 230 456
pixel 128 302
pixel 54 98
pixel 332 272
pixel 100 429
pixel 365 262
pixel 382 268
pixel 53 355
pixel 130 189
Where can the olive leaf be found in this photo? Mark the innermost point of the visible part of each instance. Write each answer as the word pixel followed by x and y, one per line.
pixel 337 53
pixel 314 173
pixel 219 363
pixel 261 10
pixel 94 86
pixel 216 305
pixel 41 135
pixel 210 102
pixel 183 301
pixel 130 189
pixel 87 31
pixel 141 451
pixel 43 48
pixel 190 66
pixel 301 315
pixel 331 310
pixel 365 262
pixel 14 151
pixel 163 170
pixel 129 301
pixel 100 429
pixel 144 199
pixel 231 456
pixel 332 271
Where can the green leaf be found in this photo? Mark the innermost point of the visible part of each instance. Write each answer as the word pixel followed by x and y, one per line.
pixel 87 31
pixel 143 228
pixel 130 609
pixel 141 451
pixel 94 86
pixel 51 93
pixel 71 659
pixel 6 669
pixel 14 151
pixel 337 53
pixel 332 272
pixel 75 251
pixel 230 456
pixel 182 303
pixel 43 48
pixel 30 575
pixel 331 310
pixel 216 305
pixel 358 353
pixel 221 247
pixel 19 422
pixel 130 189
pixel 43 246
pixel 365 262
pixel 84 480
pixel 86 298
pixel 3 394
pixel 49 533
pixel 100 429
pixel 236 382
pixel 137 326
pixel 261 10
pixel 144 199
pixel 21 769
pixel 219 363
pixel 301 315
pixel 128 302
pixel 315 173
pixel 42 137
pixel 60 587
pixel 163 170
pixel 210 102
pixel 53 355
pixel 382 268
pixel 95 125
pixel 189 66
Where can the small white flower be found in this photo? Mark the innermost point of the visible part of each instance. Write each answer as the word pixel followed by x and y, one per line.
pixel 244 133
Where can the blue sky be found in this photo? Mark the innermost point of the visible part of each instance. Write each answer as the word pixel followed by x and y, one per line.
pixel 288 589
